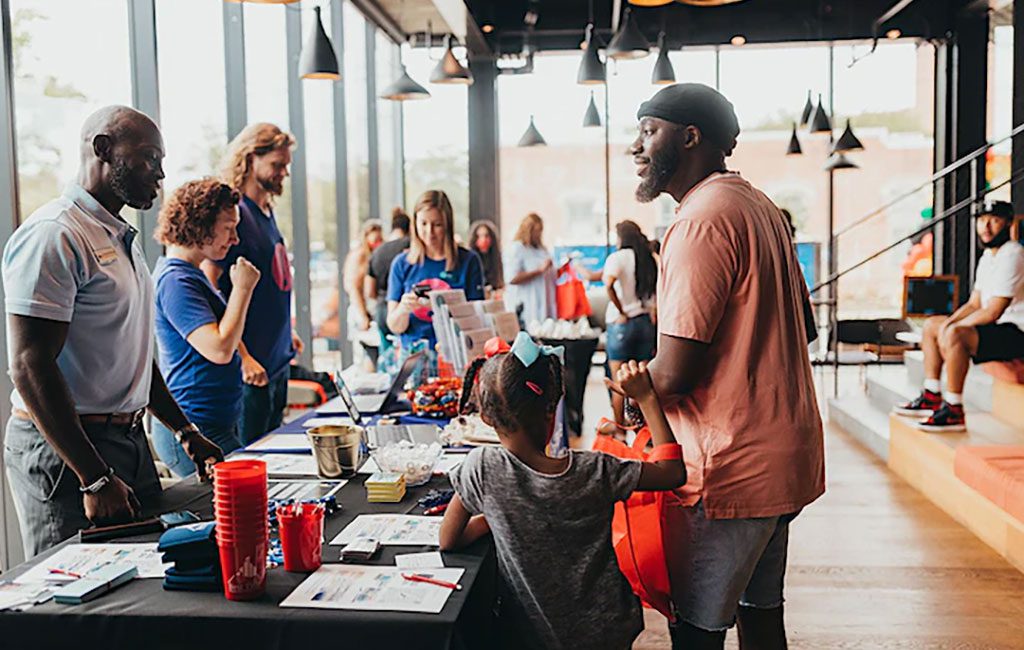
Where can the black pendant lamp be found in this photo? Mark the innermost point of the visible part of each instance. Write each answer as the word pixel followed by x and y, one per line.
pixel 591 118
pixel 848 141
pixel 629 41
pixel 820 122
pixel 532 137
pixel 794 144
pixel 404 89
pixel 449 70
pixel 663 73
pixel 592 71
pixel 839 160
pixel 318 60
pixel 805 117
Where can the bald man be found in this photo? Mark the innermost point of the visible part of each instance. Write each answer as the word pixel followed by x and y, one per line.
pixel 79 302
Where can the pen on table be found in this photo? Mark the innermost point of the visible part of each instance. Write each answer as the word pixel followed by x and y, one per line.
pixel 436 510
pixel 66 573
pixel 415 577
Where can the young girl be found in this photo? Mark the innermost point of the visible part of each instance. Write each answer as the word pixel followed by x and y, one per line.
pixel 551 517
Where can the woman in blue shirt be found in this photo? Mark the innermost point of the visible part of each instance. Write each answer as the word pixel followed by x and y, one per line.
pixel 197 330
pixel 434 260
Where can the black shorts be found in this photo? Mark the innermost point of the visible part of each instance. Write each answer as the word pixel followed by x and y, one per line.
pixel 999 342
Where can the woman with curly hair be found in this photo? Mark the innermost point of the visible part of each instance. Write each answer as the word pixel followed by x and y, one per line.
pixel 197 330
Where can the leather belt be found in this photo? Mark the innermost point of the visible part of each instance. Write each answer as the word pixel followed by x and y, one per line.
pixel 116 419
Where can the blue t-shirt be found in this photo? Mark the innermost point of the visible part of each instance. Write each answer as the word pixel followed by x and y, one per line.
pixel 268 326
pixel 467 275
pixel 209 393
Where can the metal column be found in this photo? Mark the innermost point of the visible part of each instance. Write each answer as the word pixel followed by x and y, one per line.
pixel 484 177
pixel 300 200
pixel 373 136
pixel 1017 153
pixel 146 98
pixel 342 235
pixel 234 67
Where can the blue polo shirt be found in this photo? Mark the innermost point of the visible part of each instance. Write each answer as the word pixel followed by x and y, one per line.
pixel 209 393
pixel 467 275
pixel 268 325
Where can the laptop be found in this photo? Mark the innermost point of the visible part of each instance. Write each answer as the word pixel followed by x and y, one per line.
pixel 382 434
pixel 382 403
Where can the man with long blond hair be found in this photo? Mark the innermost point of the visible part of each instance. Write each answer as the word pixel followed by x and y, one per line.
pixel 256 164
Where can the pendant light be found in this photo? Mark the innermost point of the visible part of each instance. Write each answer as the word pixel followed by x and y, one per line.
pixel 805 117
pixel 449 70
pixel 820 122
pixel 839 160
pixel 532 137
pixel 404 88
pixel 651 3
pixel 794 144
pixel 318 60
pixel 848 141
pixel 591 118
pixel 592 70
pixel 629 41
pixel 663 73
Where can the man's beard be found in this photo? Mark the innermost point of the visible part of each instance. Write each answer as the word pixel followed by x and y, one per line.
pixel 659 171
pixel 127 189
pixel 273 186
pixel 998 240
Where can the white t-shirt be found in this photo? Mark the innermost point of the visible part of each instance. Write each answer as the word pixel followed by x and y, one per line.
pixel 622 265
pixel 1001 275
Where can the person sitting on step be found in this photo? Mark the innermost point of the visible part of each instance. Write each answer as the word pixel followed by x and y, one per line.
pixel 988 327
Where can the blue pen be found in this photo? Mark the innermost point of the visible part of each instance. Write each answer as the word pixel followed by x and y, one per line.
pixel 318 595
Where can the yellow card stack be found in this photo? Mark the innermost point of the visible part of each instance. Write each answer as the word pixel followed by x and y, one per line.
pixel 385 487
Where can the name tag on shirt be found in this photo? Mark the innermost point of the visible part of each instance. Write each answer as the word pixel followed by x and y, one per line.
pixel 105 255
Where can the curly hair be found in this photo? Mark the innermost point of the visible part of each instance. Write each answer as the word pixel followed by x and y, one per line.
pixel 505 397
pixel 189 215
pixel 257 139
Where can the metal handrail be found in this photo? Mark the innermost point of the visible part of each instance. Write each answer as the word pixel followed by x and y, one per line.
pixel 946 215
pixel 939 175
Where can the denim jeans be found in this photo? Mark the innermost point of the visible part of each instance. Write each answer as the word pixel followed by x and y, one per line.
pixel 263 407
pixel 634 340
pixel 45 489
pixel 173 455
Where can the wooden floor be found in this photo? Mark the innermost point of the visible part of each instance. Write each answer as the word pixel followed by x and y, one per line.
pixel 875 565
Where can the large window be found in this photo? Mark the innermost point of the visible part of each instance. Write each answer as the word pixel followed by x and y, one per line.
pixel 1000 101
pixel 437 139
pixel 193 113
pixel 62 73
pixel 266 83
pixel 318 99
pixel 389 115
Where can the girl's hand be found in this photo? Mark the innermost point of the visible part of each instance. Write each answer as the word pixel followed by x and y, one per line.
pixel 410 302
pixel 636 381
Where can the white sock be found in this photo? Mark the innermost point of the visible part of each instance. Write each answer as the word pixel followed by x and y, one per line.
pixel 956 399
pixel 932 385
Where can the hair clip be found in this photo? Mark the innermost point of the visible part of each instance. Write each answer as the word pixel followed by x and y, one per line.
pixel 535 388
pixel 495 346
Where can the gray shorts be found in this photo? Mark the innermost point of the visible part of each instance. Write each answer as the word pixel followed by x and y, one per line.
pixel 45 489
pixel 719 564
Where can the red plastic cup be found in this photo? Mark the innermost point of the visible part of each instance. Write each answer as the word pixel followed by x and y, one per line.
pixel 228 537
pixel 301 536
pixel 243 568
pixel 239 471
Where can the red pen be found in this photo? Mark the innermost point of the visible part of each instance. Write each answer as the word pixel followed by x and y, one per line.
pixel 436 510
pixel 415 577
pixel 65 573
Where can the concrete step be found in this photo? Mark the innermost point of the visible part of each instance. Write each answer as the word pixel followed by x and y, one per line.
pixel 887 389
pixel 862 419
pixel 977 388
pixel 1008 402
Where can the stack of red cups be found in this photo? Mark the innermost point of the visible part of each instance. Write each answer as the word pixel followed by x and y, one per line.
pixel 240 508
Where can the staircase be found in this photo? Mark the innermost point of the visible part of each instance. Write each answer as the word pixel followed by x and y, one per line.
pixel 995 419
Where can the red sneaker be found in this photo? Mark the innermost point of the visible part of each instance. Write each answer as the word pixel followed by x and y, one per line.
pixel 924 405
pixel 949 417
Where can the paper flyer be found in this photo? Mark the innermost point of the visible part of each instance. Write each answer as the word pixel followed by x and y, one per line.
pixel 392 530
pixel 75 560
pixel 372 588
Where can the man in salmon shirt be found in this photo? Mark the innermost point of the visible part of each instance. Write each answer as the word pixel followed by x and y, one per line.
pixel 732 369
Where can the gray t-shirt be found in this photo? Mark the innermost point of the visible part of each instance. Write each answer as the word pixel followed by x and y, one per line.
pixel 553 537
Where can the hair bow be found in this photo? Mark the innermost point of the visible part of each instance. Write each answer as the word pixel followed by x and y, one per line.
pixel 527 350
pixel 495 346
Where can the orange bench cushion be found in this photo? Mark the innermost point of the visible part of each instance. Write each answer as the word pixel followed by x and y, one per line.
pixel 1011 371
pixel 997 473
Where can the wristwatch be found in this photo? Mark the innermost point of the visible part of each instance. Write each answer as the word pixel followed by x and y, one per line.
pixel 98 484
pixel 186 431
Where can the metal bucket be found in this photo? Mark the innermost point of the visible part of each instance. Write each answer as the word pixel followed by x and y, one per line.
pixel 336 449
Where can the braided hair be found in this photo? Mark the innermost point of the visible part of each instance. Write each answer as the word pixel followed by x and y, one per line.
pixel 513 396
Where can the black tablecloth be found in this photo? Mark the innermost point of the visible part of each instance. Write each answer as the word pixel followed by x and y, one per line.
pixel 578 356
pixel 142 615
